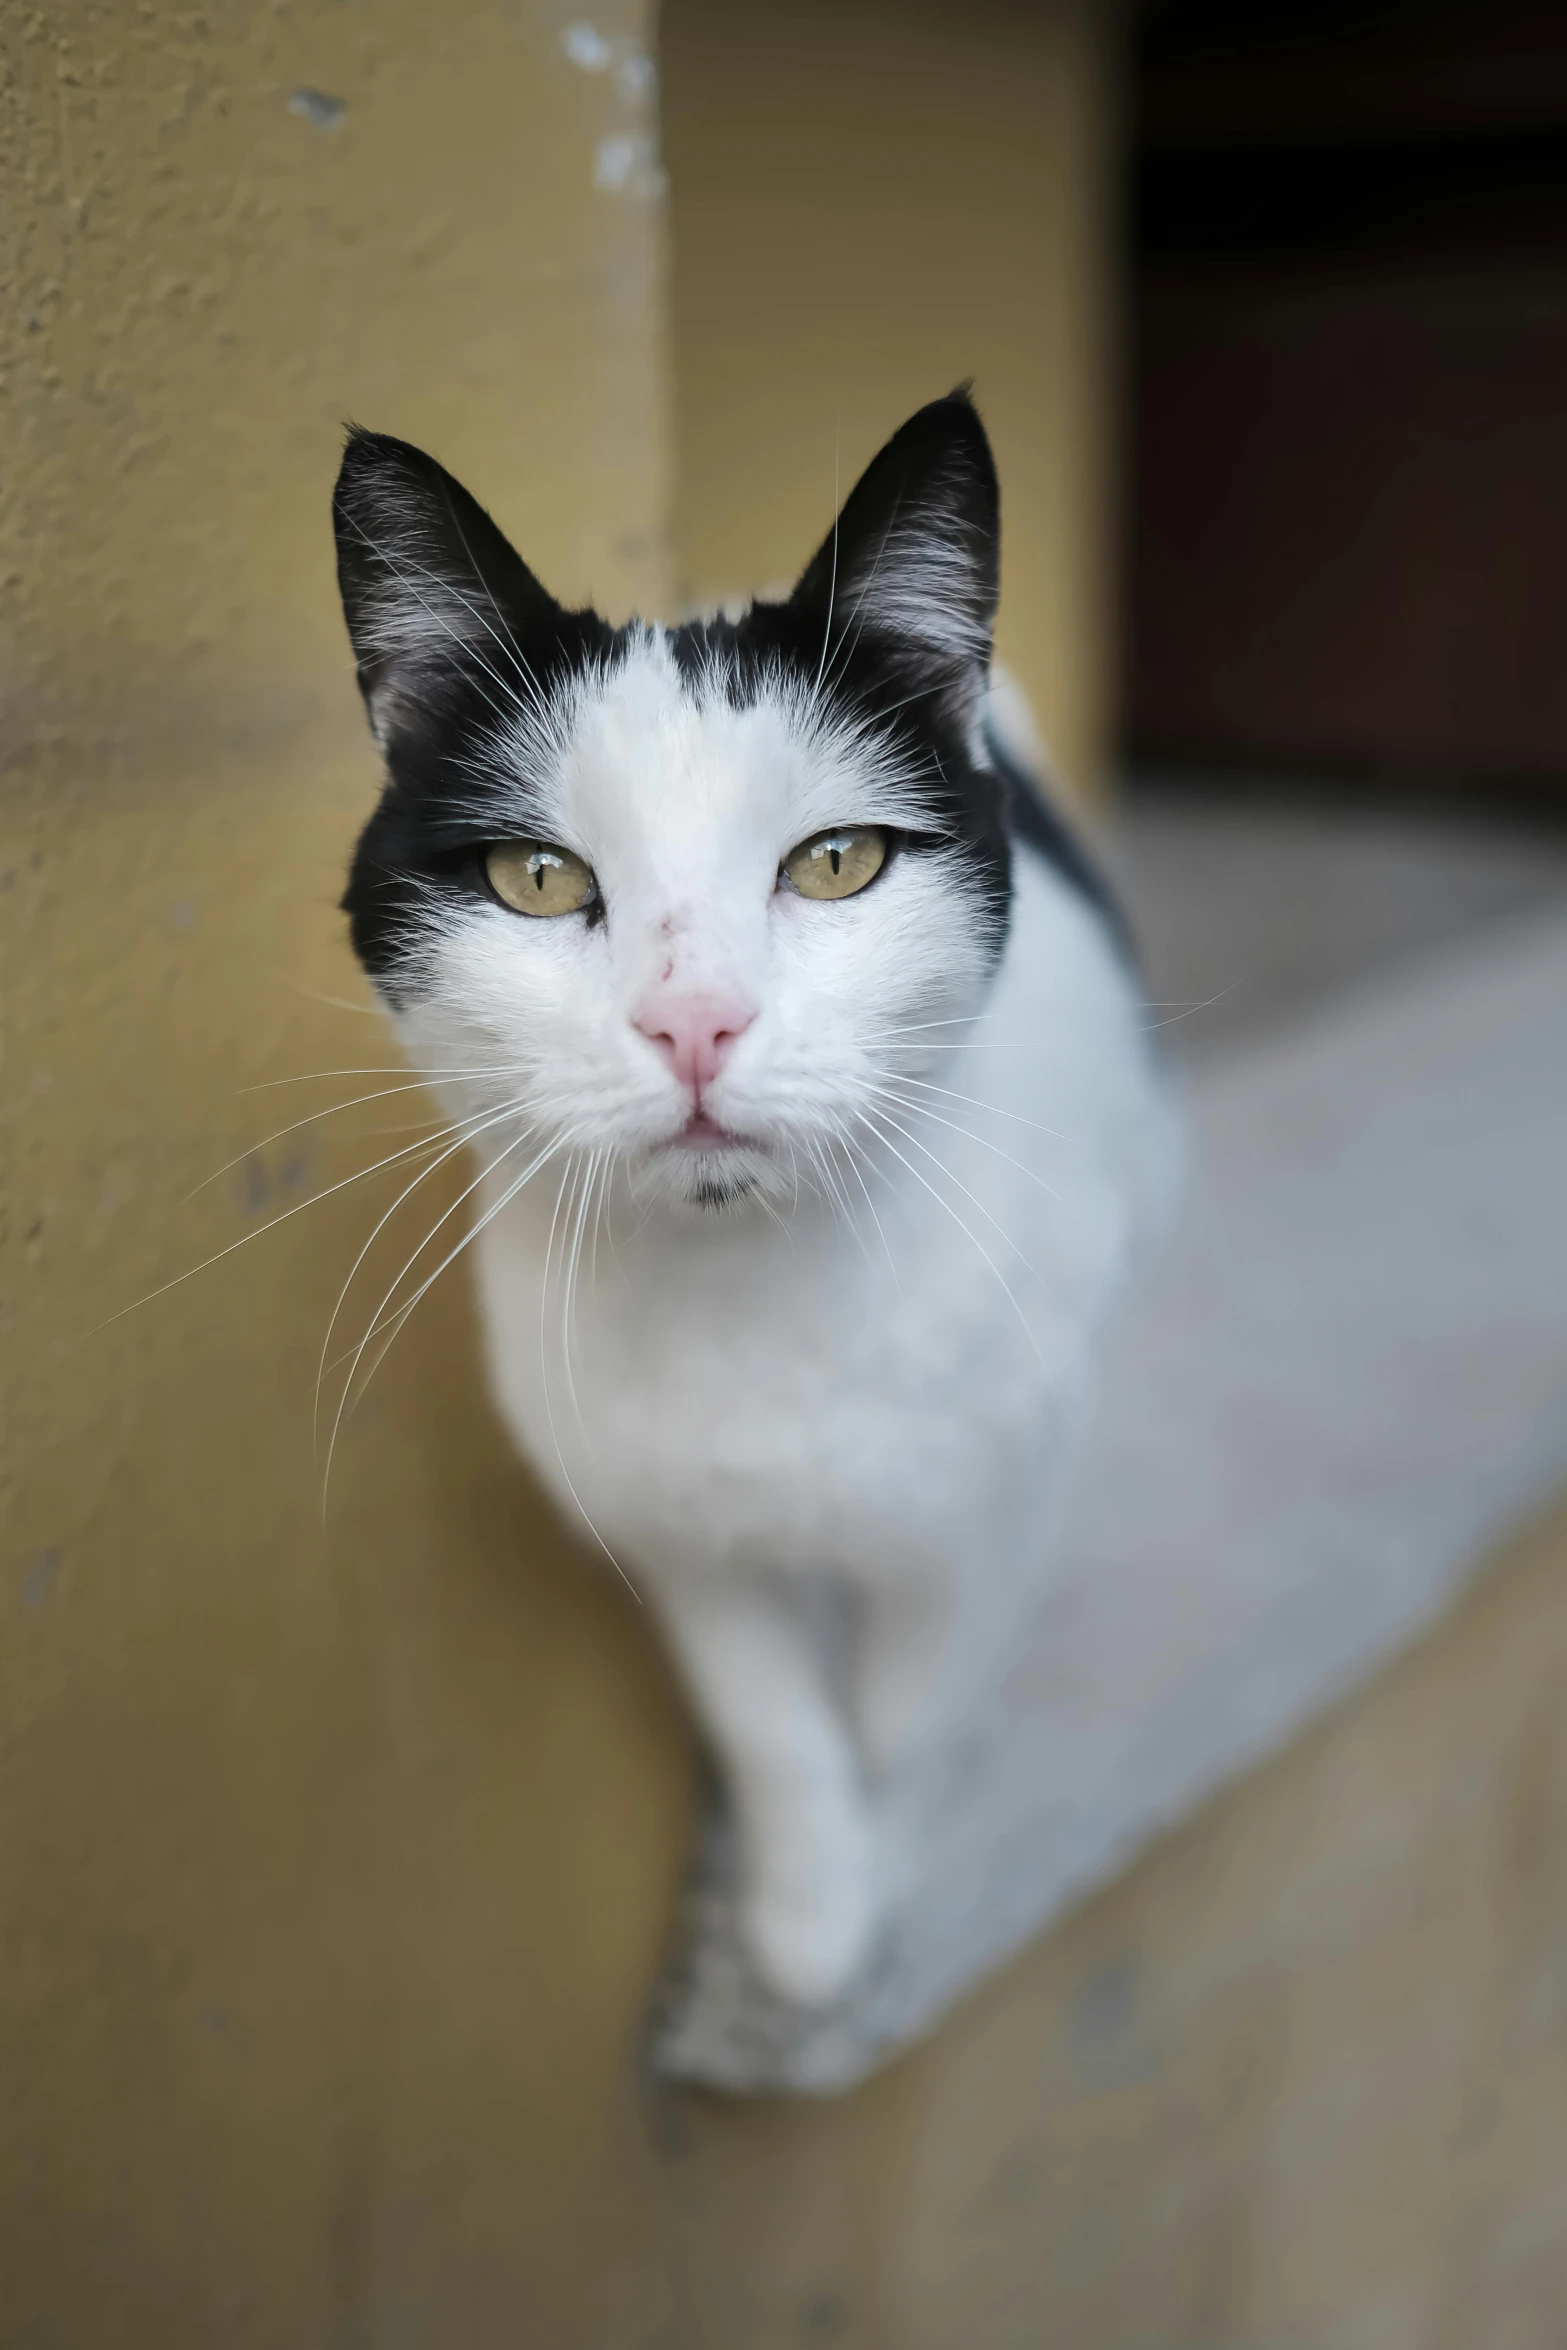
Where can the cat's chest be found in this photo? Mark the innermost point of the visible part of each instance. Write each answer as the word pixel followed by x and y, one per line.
pixel 777 1397
pixel 799 1338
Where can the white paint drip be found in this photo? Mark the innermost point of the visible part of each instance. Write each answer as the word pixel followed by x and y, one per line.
pixel 587 47
pixel 627 163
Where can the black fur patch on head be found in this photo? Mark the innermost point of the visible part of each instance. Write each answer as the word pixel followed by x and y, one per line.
pixel 914 557
pixel 890 623
pixel 893 615
pixel 867 679
pixel 452 633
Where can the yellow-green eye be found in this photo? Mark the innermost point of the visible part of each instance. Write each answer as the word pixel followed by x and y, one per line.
pixel 835 864
pixel 535 878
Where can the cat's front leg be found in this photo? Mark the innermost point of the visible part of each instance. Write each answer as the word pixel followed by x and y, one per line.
pixel 808 1899
pixel 928 1650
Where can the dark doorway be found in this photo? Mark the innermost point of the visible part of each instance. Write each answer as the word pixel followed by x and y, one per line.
pixel 1349 545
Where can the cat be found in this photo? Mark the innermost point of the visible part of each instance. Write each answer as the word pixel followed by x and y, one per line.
pixel 819 1127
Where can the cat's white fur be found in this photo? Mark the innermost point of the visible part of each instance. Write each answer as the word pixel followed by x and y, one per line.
pixel 866 1370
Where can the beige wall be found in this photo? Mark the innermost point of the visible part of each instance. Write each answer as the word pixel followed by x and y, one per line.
pixel 334 1860
pixel 871 201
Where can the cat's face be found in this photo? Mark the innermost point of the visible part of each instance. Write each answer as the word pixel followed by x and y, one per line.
pixel 686 897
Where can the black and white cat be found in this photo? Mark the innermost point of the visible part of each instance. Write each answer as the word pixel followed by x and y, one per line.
pixel 768 987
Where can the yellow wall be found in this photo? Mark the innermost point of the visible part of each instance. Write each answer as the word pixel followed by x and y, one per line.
pixel 335 1860
pixel 871 201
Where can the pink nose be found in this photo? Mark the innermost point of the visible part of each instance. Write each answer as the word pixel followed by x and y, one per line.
pixel 693 1032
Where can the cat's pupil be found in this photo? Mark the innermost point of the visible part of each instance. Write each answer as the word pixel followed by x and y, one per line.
pixel 836 855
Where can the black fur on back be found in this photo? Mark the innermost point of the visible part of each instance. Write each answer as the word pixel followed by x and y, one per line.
pixel 1033 817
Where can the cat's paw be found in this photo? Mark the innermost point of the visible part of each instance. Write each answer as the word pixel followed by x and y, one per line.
pixel 810 1917
pixel 809 1953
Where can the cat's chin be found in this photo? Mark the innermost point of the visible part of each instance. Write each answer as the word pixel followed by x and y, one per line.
pixel 711 1179
pixel 709 1172
pixel 715 1191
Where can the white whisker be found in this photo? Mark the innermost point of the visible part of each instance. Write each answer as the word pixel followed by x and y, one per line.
pixel 923 1109
pixel 415 1076
pixel 360 1175
pixel 473 1129
pixel 875 1124
pixel 333 1003
pixel 1188 1009
pixel 837 1196
pixel 267 1140
pixel 853 1156
pixel 937 1160
pixel 549 1408
pixel 590 1170
pixel 974 1103
pixel 402 1313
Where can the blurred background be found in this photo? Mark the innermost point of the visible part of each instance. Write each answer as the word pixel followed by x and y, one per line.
pixel 338 1851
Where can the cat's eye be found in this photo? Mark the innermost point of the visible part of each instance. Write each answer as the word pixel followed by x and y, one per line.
pixel 534 877
pixel 835 864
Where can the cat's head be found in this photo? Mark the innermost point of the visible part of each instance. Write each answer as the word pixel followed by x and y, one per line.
pixel 685 895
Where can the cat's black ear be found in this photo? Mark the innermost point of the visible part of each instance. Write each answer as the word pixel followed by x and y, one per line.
pixel 435 597
pixel 915 554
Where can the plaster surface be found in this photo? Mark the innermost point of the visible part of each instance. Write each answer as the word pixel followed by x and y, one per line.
pixel 874 200
pixel 334 1854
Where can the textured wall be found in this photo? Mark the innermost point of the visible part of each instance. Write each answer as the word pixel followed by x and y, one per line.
pixel 333 1860
pixel 871 200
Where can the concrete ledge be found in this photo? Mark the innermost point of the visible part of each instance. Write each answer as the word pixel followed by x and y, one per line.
pixel 1347 1385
